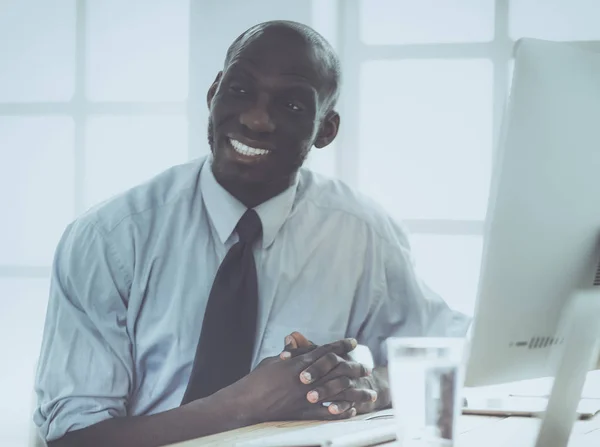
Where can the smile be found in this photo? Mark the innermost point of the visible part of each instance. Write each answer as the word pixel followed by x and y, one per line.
pixel 247 150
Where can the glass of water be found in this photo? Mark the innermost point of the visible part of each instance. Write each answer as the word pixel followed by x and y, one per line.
pixel 426 377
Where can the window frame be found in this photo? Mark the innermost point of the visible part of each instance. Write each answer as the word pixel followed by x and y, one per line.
pixel 341 20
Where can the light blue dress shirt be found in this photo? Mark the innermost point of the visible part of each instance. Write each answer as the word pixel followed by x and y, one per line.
pixel 131 279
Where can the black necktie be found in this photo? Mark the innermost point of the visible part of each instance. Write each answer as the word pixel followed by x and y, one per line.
pixel 224 352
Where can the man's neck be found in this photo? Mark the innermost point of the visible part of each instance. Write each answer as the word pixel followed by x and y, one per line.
pixel 253 195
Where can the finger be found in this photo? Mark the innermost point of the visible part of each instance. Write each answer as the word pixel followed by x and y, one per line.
pixel 328 390
pixel 351 369
pixel 290 342
pixel 320 368
pixel 296 344
pixel 342 389
pixel 288 354
pixel 339 348
pixel 358 396
pixel 339 407
pixel 331 366
pixel 289 345
pixel 300 340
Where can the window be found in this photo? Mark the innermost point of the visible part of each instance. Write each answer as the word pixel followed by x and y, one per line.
pixel 430 143
pixel 575 20
pixel 149 42
pixel 130 150
pixel 402 22
pixel 418 135
pixel 35 69
pixel 99 95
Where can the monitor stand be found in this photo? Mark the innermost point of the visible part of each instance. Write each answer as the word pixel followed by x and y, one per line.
pixel 581 348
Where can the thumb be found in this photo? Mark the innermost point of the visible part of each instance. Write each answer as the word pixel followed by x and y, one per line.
pixel 290 342
pixel 295 344
pixel 300 340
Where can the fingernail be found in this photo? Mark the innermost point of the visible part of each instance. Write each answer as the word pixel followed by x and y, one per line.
pixel 333 408
pixel 313 396
pixel 305 377
pixel 354 343
pixel 369 371
pixel 285 355
pixel 353 411
pixel 373 396
pixel 288 340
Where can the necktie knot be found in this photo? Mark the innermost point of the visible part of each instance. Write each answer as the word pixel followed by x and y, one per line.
pixel 249 228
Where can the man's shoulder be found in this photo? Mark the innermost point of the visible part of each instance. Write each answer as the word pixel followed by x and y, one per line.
pixel 334 197
pixel 174 186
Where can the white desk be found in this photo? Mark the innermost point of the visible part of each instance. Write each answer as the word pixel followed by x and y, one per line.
pixel 475 431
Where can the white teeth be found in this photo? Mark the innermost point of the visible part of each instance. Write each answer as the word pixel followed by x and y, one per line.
pixel 247 150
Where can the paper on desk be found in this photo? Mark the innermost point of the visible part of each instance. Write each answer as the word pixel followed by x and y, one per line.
pixel 528 398
pixel 525 406
pixel 534 388
pixel 353 433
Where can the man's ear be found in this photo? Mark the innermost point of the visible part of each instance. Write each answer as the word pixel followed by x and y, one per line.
pixel 213 89
pixel 329 130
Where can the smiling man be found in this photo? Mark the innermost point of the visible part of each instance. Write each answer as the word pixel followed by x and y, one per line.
pixel 169 303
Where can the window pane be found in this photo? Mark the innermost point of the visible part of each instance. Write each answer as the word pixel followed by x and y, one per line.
pixel 138 50
pixel 450 265
pixel 426 137
pixel 324 19
pixel 323 160
pixel 555 19
pixel 23 303
pixel 37 44
pixel 122 152
pixel 36 187
pixel 387 22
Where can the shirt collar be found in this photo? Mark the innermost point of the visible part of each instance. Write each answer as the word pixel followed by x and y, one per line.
pixel 225 211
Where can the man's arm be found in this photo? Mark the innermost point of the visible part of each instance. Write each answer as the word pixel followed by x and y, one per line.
pixel 264 394
pixel 86 370
pixel 203 417
pixel 395 302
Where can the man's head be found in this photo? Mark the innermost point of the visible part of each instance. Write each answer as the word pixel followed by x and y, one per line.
pixel 272 102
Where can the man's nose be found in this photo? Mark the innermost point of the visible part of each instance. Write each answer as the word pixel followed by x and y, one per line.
pixel 257 117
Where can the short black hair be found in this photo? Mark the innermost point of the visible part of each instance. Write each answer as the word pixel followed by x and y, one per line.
pixel 328 56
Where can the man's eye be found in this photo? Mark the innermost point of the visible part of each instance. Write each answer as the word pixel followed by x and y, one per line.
pixel 294 106
pixel 238 89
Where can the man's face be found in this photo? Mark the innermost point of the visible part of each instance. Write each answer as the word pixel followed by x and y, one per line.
pixel 265 110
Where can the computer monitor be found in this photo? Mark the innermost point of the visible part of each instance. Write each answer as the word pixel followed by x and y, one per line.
pixel 542 237
pixel 542 234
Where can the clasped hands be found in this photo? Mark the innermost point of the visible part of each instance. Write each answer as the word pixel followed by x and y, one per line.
pixel 307 382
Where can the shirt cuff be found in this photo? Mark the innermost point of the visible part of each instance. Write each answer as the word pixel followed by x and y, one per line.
pixel 56 419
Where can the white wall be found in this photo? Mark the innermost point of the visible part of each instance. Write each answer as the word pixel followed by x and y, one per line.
pixel 98 95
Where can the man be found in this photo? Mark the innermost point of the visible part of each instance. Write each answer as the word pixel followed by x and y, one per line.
pixel 169 302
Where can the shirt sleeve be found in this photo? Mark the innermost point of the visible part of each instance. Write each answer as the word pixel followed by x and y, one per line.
pixel 400 303
pixel 85 368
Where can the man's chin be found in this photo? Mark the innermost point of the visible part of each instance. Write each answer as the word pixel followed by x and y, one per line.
pixel 235 171
pixel 230 167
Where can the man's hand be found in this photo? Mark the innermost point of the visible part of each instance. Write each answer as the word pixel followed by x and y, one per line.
pixel 279 390
pixel 335 389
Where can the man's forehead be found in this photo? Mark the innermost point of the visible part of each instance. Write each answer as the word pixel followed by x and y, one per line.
pixel 280 53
